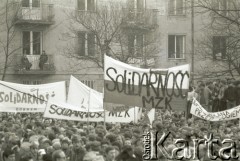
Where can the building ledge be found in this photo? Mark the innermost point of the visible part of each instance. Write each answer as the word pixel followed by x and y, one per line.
pixel 32 71
pixel 33 22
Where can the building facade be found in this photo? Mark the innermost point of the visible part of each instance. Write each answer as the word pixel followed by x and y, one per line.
pixel 158 33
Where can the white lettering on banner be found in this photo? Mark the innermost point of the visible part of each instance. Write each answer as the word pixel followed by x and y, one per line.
pixel 29 98
pixel 57 111
pixel 200 112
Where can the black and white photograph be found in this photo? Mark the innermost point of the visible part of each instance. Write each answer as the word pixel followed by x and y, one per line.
pixel 119 80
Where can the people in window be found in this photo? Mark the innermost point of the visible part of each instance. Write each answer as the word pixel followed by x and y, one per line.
pixel 25 62
pixel 43 60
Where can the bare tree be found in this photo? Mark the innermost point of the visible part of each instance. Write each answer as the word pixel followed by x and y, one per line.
pixel 220 42
pixel 113 25
pixel 8 14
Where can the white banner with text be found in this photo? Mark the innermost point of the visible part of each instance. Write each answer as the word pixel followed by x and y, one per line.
pixel 29 98
pixel 147 88
pixel 66 111
pixel 199 111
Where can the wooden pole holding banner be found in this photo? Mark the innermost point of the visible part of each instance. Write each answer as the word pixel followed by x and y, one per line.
pixel 104 115
pixel 104 112
pixel 134 115
pixel 239 122
pixel 88 109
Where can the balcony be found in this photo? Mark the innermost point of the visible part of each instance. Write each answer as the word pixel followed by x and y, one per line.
pixel 142 19
pixel 48 67
pixel 42 15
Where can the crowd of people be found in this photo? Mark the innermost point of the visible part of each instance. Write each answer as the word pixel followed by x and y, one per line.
pixel 30 137
pixel 215 96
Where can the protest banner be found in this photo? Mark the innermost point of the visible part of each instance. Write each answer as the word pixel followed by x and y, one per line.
pixel 199 111
pixel 85 98
pixel 66 111
pixel 151 88
pixel 29 98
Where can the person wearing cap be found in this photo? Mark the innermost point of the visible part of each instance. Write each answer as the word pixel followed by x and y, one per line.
pixel 65 146
pixel 59 155
pixel 45 143
pixel 34 150
pixel 56 146
pixel 77 152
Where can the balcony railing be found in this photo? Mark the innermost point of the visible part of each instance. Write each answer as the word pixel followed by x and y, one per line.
pixel 44 14
pixel 140 18
pixel 48 67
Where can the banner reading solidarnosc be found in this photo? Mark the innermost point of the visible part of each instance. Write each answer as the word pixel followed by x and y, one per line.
pixel 199 111
pixel 152 88
pixel 87 99
pixel 29 98
pixel 66 111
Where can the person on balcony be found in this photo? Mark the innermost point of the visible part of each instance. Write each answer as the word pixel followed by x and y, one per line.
pixel 43 60
pixel 25 62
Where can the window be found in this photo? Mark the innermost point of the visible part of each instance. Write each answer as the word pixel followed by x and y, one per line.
pixel 28 82
pixel 219 47
pixel 135 44
pixel 137 4
pixel 86 43
pixel 31 42
pixel 221 6
pixel 30 3
pixel 176 7
pixel 89 83
pixel 87 5
pixel 176 46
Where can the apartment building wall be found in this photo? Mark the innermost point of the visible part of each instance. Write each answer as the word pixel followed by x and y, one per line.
pixel 53 42
pixel 56 38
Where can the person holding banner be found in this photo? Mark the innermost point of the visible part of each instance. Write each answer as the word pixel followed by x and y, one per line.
pixel 204 96
pixel 191 94
pixel 215 101
pixel 221 96
pixel 230 95
pixel 238 92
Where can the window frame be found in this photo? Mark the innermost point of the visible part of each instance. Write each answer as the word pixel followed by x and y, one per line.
pixel 214 55
pixel 31 43
pixel 86 8
pixel 30 3
pixel 184 36
pixel 136 48
pixel 222 10
pixel 31 82
pixel 175 8
pixel 86 44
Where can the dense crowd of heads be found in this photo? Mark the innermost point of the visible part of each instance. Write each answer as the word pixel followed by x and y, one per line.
pixel 26 137
pixel 30 137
